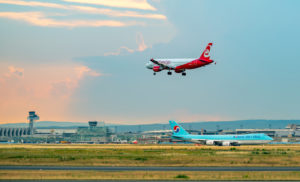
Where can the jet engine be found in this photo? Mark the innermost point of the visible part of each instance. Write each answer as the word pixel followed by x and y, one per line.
pixel 225 143
pixel 157 68
pixel 210 142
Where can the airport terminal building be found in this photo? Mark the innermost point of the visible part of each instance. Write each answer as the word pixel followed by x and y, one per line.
pixel 96 132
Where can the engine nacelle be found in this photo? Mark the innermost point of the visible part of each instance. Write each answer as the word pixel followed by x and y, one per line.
pixel 157 68
pixel 226 144
pixel 210 142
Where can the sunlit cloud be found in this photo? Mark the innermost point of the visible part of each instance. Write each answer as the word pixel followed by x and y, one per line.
pixel 15 71
pixel 119 51
pixel 64 88
pixel 140 41
pixel 133 4
pixel 141 47
pixel 86 9
pixel 33 3
pixel 39 19
pixel 85 71
pixel 115 13
pixel 50 92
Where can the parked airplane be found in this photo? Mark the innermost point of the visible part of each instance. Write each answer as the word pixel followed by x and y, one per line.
pixel 180 65
pixel 221 140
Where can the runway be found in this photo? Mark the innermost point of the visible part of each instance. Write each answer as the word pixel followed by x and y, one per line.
pixel 98 168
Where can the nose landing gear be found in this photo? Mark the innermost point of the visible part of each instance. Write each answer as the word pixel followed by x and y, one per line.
pixel 169 73
pixel 183 73
pixel 154 73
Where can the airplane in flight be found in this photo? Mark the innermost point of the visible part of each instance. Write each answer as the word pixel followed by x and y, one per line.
pixel 221 140
pixel 180 65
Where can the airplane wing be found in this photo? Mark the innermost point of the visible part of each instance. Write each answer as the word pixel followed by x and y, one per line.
pixel 164 66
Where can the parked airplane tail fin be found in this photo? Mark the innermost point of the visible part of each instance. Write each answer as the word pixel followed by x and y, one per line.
pixel 205 55
pixel 177 129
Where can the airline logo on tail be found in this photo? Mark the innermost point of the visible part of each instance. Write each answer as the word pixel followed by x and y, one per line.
pixel 176 129
pixel 205 55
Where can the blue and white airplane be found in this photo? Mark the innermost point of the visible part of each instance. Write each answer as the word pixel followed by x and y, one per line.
pixel 222 140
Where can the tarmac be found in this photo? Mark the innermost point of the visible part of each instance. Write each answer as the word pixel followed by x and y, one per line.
pixel 101 168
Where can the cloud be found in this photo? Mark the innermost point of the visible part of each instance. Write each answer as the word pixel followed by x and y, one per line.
pixel 133 4
pixel 119 51
pixel 39 19
pixel 115 13
pixel 140 42
pixel 85 71
pixel 86 9
pixel 64 87
pixel 47 89
pixel 33 3
pixel 14 71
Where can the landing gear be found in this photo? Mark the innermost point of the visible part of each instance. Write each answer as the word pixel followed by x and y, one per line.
pixel 154 73
pixel 183 74
pixel 169 73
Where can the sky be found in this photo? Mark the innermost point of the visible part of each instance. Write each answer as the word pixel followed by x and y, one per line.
pixel 82 60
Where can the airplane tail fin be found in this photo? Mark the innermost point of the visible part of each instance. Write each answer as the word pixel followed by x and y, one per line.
pixel 177 129
pixel 205 55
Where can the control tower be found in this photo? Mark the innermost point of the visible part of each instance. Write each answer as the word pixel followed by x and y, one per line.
pixel 32 118
pixel 93 124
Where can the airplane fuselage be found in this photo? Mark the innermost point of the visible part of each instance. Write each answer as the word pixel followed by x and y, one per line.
pixel 247 139
pixel 179 133
pixel 180 65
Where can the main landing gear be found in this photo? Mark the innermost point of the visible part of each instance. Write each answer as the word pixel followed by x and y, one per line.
pixel 170 73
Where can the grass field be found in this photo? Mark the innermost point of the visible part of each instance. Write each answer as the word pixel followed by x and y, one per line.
pixel 148 175
pixel 149 155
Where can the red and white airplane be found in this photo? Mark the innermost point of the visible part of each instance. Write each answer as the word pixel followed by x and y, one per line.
pixel 180 65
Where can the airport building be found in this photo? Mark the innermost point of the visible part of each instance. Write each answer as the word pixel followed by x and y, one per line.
pixel 289 134
pixel 155 137
pixel 14 132
pixel 19 132
pixel 97 132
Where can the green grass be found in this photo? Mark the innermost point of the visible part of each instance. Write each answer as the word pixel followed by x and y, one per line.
pixel 182 176
pixel 149 155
